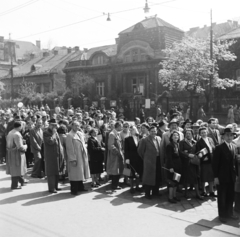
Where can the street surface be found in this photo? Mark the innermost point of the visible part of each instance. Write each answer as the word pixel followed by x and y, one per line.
pixel 33 211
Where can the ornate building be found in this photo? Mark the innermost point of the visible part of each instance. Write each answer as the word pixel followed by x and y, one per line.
pixel 127 72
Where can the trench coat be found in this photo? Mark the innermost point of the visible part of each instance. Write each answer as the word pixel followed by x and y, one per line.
pixel 115 159
pixel 53 153
pixel 16 159
pixel 77 151
pixel 148 152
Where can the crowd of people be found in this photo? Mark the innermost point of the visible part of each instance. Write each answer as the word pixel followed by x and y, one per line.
pixel 147 153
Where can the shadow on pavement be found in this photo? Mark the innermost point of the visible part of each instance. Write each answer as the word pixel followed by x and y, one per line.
pixel 6 178
pixel 5 190
pixel 206 225
pixel 23 197
pixel 49 198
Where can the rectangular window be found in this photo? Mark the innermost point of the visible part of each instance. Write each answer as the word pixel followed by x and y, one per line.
pixel 100 88
pixel 134 85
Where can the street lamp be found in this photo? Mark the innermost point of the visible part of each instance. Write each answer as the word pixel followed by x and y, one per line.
pixel 146 8
pixel 108 18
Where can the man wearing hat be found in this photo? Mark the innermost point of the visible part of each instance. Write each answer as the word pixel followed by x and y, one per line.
pixel 53 154
pixel 213 132
pixel 225 172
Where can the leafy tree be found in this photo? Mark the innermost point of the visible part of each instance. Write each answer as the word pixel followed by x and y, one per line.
pixel 27 89
pixel 189 66
pixel 81 84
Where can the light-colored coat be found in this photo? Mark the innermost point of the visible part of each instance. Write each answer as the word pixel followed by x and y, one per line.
pixel 76 151
pixel 148 152
pixel 16 159
pixel 115 159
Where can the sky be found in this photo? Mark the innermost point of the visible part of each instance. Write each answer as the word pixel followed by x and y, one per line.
pixel 86 20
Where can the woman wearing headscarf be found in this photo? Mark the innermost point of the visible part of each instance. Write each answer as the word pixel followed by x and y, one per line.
pixel 174 164
pixel 190 171
pixel 132 158
pixel 96 156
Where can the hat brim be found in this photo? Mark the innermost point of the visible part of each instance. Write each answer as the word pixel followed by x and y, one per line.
pixel 173 123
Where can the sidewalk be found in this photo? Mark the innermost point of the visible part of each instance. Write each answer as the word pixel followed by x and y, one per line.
pixel 32 211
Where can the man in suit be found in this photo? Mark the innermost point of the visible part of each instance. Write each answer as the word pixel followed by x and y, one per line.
pixel 213 132
pixel 224 168
pixel 36 141
pixel 115 157
pixel 195 128
pixel 149 151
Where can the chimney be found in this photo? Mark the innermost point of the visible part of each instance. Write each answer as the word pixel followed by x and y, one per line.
pixel 69 50
pixel 76 48
pixel 229 21
pixel 2 39
pixel 32 55
pixel 45 54
pixel 55 52
pixel 235 24
pixel 117 40
pixel 38 44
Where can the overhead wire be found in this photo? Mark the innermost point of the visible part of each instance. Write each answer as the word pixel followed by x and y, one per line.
pixel 17 7
pixel 60 27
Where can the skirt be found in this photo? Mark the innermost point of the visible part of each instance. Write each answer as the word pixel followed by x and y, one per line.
pixel 206 174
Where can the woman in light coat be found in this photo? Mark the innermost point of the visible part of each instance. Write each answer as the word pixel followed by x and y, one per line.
pixel 78 168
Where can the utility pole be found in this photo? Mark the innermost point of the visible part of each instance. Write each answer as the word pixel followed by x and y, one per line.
pixel 11 69
pixel 211 58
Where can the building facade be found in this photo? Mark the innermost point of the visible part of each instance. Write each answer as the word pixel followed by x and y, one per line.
pixel 126 74
pixel 44 70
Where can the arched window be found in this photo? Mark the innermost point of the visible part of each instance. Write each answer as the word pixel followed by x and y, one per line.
pixel 134 55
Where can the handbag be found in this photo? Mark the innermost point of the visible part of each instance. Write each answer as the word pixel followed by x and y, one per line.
pixel 127 172
pixel 195 160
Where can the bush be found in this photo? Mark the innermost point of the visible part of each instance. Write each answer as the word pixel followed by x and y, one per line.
pixel 8 103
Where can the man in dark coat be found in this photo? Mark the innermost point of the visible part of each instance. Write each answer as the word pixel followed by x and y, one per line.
pixel 149 151
pixel 53 154
pixel 224 168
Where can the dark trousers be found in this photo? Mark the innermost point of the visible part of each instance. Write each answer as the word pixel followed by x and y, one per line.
pixel 76 186
pixel 237 202
pixel 225 199
pixel 155 188
pixel 37 168
pixel 52 182
pixel 115 181
pixel 16 180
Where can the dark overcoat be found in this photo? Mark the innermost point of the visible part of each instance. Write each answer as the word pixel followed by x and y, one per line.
pixel 148 153
pixel 53 153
